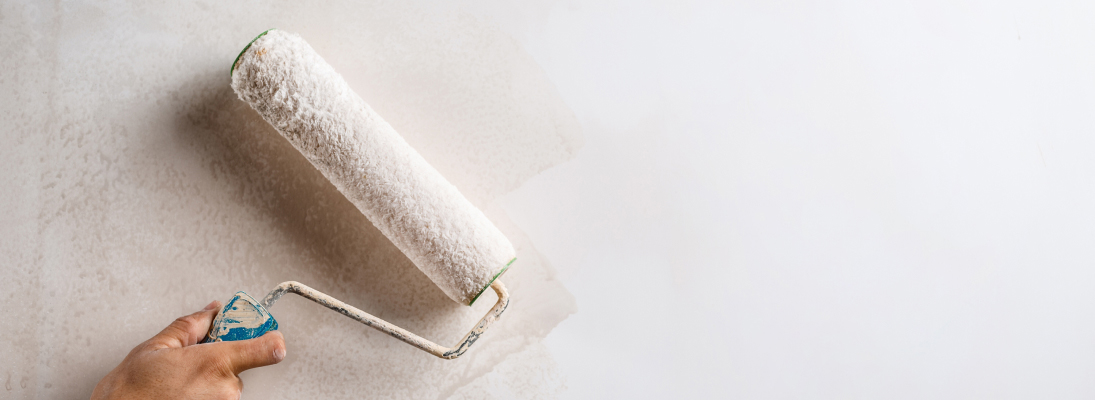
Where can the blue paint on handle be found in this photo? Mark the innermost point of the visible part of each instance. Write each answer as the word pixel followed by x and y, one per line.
pixel 241 319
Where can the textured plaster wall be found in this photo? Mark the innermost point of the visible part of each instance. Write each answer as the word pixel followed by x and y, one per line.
pixel 137 188
pixel 836 199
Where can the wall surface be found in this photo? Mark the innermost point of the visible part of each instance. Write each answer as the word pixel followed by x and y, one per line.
pixel 138 188
pixel 749 199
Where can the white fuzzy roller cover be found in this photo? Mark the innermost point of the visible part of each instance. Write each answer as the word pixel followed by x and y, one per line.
pixel 447 237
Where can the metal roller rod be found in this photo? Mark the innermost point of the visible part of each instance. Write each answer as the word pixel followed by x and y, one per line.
pixel 386 327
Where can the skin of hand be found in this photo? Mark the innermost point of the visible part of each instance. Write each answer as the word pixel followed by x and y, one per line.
pixel 172 365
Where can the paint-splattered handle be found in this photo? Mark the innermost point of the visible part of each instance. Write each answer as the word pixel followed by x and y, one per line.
pixel 241 319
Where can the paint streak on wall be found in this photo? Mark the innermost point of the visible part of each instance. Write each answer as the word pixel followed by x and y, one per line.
pixel 138 188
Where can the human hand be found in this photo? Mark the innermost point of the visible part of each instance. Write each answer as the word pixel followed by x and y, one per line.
pixel 172 365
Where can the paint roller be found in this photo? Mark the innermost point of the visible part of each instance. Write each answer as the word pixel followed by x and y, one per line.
pixel 424 215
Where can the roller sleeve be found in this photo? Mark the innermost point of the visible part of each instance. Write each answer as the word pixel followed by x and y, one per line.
pixel 424 215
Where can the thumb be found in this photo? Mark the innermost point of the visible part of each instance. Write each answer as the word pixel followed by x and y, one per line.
pixel 242 355
pixel 188 330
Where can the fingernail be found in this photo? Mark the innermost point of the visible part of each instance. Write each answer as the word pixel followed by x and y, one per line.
pixel 279 354
pixel 210 306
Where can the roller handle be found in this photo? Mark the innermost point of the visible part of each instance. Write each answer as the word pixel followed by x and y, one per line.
pixel 245 318
pixel 241 318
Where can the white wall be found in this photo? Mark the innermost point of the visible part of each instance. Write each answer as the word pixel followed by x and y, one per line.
pixel 822 199
pixel 748 199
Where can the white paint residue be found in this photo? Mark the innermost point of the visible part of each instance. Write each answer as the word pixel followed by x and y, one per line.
pixel 243 315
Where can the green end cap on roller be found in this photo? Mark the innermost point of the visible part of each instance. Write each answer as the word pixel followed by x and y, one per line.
pixel 492 280
pixel 233 70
